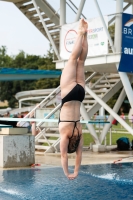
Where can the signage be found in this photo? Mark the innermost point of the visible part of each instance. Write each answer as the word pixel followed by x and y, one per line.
pixel 126 62
pixel 97 38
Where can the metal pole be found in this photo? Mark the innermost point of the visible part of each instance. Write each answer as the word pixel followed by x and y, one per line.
pixel 115 109
pixel 105 141
pixel 102 111
pixel 104 25
pixel 118 25
pixel 89 126
pixel 46 29
pixel 62 12
pixel 110 136
pixel 113 19
pixel 82 2
pixel 20 105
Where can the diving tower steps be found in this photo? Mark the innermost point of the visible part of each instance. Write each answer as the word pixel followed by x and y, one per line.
pixel 49 15
pixel 91 105
pixel 47 139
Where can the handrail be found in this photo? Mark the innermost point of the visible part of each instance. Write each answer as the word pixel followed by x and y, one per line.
pixel 43 101
pixel 90 77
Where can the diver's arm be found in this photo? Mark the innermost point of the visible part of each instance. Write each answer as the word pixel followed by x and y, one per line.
pixel 78 157
pixel 64 158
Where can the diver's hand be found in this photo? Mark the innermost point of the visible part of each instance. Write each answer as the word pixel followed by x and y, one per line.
pixel 72 176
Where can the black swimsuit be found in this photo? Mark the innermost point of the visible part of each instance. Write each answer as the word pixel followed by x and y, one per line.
pixel 76 94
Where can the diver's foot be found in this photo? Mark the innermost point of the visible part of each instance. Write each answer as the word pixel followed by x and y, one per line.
pixel 83 26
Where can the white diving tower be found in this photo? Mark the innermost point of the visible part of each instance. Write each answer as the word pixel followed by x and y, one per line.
pixel 101 71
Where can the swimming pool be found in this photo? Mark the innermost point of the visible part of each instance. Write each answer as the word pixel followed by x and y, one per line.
pixel 95 182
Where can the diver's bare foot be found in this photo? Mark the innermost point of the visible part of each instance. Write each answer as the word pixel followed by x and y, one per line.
pixel 83 26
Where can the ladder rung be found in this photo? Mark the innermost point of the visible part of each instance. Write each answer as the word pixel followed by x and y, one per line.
pixel 52 135
pixel 26 7
pixel 41 147
pixel 45 141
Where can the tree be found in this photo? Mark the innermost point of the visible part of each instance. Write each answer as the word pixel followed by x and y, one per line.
pixel 19 60
pixel 111 30
pixel 25 61
pixel 5 60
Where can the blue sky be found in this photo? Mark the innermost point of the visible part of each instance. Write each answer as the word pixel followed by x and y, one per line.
pixel 18 33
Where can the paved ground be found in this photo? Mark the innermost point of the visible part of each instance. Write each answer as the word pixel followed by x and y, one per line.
pixel 88 158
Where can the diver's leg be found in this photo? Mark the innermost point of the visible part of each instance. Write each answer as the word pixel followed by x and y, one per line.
pixel 80 67
pixel 69 74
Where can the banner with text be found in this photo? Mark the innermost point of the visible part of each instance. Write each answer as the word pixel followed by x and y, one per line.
pixel 97 38
pixel 126 62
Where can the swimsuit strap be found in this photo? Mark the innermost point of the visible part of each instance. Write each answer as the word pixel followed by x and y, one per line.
pixel 69 121
pixel 75 123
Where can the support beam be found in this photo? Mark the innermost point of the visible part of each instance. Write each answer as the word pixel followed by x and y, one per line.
pixel 118 25
pixel 74 7
pixel 20 104
pixel 89 126
pixel 82 2
pixel 62 12
pixel 117 47
pixel 49 11
pixel 113 19
pixel 106 107
pixel 115 109
pixel 104 25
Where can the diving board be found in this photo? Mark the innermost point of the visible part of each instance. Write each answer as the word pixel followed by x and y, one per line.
pixel 5 126
pixel 47 120
pixel 11 74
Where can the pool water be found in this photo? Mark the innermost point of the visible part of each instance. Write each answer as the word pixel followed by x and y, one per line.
pixel 95 182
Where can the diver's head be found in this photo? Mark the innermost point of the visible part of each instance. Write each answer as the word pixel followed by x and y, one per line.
pixel 73 144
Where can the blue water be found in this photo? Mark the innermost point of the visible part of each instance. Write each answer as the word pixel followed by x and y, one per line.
pixel 95 182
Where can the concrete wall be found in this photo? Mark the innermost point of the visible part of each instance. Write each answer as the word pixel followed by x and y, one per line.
pixel 17 150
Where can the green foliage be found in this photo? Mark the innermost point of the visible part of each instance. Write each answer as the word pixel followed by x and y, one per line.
pixel 5 60
pixel 113 100
pixel 87 138
pixel 8 89
pixel 47 83
pixel 126 106
pixel 111 30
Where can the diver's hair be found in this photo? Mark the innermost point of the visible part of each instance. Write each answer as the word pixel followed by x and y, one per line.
pixel 73 144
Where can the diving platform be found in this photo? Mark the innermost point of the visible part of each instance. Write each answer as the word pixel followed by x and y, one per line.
pixel 102 63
